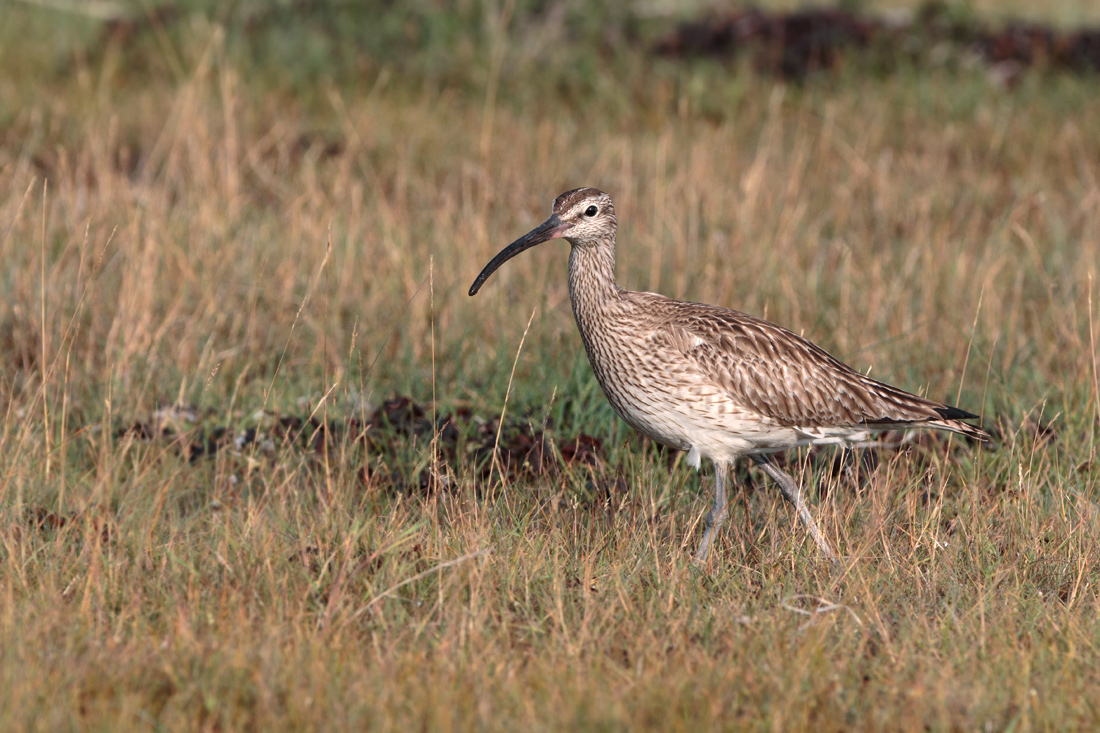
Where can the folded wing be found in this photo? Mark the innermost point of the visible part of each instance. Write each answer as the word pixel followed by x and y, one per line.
pixel 781 375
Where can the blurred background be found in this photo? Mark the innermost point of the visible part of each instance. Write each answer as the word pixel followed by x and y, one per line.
pixel 252 458
pixel 863 174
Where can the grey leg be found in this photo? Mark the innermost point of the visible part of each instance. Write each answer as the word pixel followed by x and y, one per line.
pixel 793 494
pixel 717 513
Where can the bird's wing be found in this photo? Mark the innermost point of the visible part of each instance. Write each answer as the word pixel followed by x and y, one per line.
pixel 781 375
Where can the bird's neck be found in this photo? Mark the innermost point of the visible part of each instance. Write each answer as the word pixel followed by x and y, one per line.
pixel 591 277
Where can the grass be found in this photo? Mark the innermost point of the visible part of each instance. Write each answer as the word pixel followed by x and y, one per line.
pixel 183 225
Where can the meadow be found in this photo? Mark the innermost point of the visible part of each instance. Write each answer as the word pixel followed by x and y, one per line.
pixel 264 465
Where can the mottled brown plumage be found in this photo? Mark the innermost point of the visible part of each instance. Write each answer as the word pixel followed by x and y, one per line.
pixel 717 383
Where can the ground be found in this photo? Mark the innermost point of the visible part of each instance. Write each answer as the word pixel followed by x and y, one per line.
pixel 264 464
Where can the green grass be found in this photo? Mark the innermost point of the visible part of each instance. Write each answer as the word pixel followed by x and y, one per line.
pixel 186 222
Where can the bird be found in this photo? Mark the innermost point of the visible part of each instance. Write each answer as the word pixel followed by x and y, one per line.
pixel 717 383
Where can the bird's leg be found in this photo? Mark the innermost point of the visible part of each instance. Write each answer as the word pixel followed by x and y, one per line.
pixel 717 513
pixel 793 494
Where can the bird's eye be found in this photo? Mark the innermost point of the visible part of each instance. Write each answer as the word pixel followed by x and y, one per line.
pixel 591 211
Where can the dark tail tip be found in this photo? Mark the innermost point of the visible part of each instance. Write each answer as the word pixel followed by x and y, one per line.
pixel 954 413
pixel 955 416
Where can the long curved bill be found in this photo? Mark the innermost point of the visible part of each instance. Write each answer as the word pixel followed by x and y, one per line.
pixel 549 229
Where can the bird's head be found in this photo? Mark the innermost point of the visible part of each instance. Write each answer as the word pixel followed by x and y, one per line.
pixel 584 217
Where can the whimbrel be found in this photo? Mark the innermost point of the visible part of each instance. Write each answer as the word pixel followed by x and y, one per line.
pixel 716 383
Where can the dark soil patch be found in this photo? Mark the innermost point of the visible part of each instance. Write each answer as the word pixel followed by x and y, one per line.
pixel 796 44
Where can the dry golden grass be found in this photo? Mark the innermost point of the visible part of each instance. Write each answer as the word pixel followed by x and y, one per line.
pixel 198 243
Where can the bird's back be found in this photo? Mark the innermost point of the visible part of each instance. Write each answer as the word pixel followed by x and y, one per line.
pixel 727 383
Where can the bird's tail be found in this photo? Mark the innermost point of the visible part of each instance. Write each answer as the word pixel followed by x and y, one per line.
pixel 958 426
